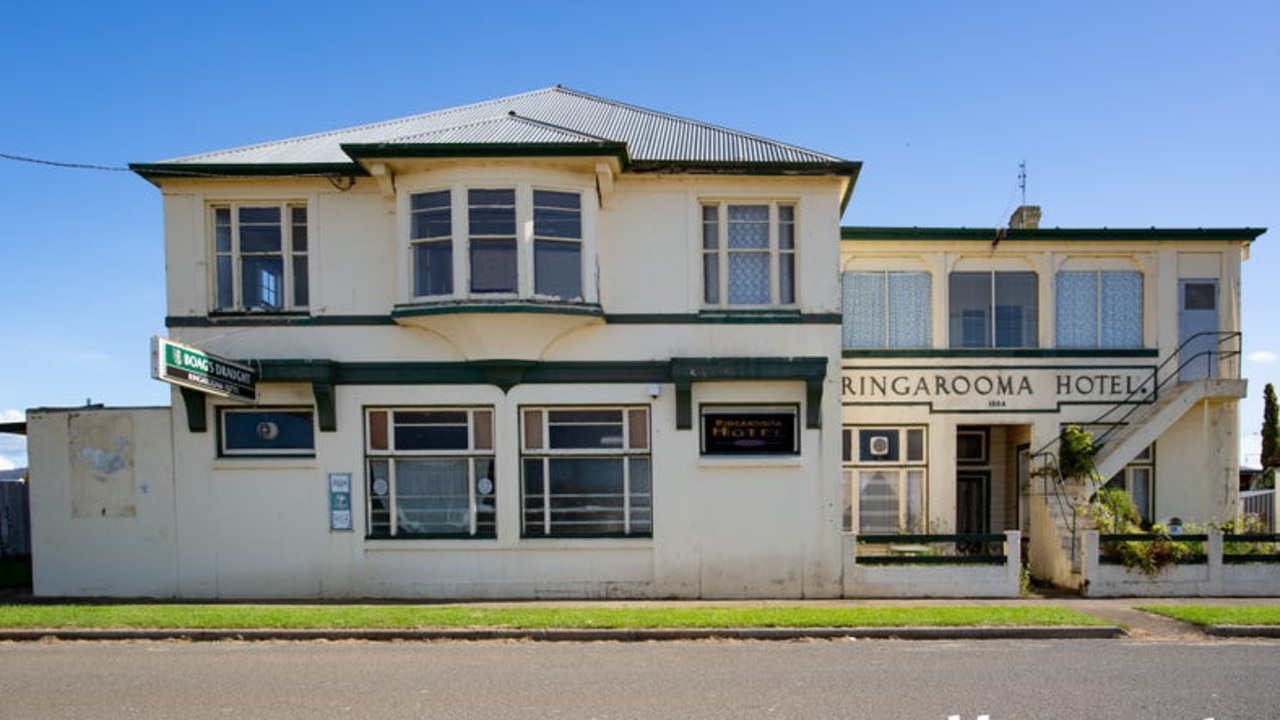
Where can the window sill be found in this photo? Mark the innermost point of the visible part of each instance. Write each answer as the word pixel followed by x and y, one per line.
pixel 259 462
pixel 751 315
pixel 381 544
pixel 712 462
pixel 423 308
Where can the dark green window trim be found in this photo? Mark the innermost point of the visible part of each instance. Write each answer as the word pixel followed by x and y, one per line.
pixel 304 320
pixel 987 353
pixel 872 234
pixel 499 306
pixel 325 375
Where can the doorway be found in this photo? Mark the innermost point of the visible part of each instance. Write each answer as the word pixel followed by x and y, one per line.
pixel 1197 327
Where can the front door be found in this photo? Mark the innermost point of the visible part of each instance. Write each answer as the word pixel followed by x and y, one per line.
pixel 971 502
pixel 1197 328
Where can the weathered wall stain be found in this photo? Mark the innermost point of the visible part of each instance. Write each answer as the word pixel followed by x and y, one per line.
pixel 102 465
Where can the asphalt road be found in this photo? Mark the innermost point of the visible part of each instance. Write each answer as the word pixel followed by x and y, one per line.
pixel 879 680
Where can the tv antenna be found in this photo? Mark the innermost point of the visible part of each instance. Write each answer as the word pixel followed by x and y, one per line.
pixel 1022 181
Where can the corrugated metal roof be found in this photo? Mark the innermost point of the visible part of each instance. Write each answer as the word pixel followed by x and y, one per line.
pixel 552 115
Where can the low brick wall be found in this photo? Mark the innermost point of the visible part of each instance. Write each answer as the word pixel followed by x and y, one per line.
pixel 934 580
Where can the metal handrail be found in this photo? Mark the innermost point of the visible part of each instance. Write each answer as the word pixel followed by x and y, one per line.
pixel 1133 403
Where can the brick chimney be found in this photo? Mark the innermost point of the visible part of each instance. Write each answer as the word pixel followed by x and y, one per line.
pixel 1026 217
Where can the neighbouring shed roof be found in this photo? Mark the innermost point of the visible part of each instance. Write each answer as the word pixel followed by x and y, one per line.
pixel 558 120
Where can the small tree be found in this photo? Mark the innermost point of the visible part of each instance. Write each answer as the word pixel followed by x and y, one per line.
pixel 1270 458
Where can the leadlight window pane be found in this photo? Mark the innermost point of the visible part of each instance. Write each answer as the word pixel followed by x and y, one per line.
pixel 638 428
pixel 378 434
pixel 557 269
pixel 915 445
pixel 379 498
pixel 878 445
pixel 748 227
pixel 909 313
pixel 1076 297
pixel 915 501
pixel 1121 317
pixel 483 429
pixel 864 309
pixel 749 279
pixel 533 429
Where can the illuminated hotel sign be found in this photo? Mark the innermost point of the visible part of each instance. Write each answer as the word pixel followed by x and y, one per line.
pixel 749 431
pixel 995 389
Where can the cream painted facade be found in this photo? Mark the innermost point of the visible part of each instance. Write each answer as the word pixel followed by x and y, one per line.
pixel 499 356
pixel 990 415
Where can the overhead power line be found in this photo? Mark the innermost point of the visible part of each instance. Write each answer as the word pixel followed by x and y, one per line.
pixel 54 163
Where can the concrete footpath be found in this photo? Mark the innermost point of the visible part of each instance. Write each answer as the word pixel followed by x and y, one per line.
pixel 1121 618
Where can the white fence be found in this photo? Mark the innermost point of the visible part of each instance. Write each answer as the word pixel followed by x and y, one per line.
pixel 1213 576
pixel 910 576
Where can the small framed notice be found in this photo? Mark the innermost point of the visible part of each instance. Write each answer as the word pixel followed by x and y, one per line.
pixel 340 502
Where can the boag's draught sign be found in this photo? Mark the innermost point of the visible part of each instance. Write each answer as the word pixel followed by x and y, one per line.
pixel 193 368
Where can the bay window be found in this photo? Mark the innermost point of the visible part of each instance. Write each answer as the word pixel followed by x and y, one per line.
pixel 587 472
pixel 994 310
pixel 260 257
pixel 887 309
pixel 1098 309
pixel 430 473
pixel 748 254
pixel 500 242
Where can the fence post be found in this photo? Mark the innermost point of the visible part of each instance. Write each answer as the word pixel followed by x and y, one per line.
pixel 1089 563
pixel 1013 560
pixel 1213 549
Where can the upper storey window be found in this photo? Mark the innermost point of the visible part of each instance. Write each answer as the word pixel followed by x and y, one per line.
pixel 260 257
pixel 1099 309
pixel 748 254
pixel 887 309
pixel 994 310
pixel 500 242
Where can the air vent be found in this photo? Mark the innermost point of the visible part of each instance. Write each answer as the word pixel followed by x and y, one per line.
pixel 879 446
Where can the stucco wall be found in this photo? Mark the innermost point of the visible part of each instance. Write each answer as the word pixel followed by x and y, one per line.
pixel 102 502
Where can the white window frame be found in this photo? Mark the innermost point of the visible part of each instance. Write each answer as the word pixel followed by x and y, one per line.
pixel 992 314
pixel 1144 462
pixel 481 467
pixel 1099 307
pixel 721 251
pixel 288 255
pixel 535 445
pixel 885 320
pixel 898 472
pixel 526 239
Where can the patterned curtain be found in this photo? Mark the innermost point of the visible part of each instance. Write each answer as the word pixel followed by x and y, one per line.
pixel 1121 325
pixel 1077 309
pixel 863 305
pixel 910 324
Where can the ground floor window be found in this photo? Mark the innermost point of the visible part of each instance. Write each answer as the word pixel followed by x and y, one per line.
pixel 586 472
pixel 266 432
pixel 430 472
pixel 885 466
pixel 1138 479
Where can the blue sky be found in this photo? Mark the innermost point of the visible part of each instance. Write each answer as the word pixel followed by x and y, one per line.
pixel 1128 114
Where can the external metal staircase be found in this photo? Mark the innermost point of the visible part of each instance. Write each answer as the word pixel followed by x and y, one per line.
pixel 1128 427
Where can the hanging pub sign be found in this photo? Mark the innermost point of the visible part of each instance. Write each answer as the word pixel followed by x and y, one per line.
pixel 190 367
pixel 733 430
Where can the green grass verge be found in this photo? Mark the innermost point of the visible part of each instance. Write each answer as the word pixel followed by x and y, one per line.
pixel 1211 615
pixel 165 616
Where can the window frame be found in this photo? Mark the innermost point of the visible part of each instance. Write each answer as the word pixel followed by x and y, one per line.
pixel 1099 308
pixel 527 238
pixel 908 475
pixel 1030 333
pixel 635 444
pixel 293 283
pixel 224 436
pixel 885 320
pixel 782 260
pixel 381 446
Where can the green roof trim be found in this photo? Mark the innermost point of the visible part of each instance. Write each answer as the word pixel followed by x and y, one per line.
pixel 391 150
pixel 216 170
pixel 1051 234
